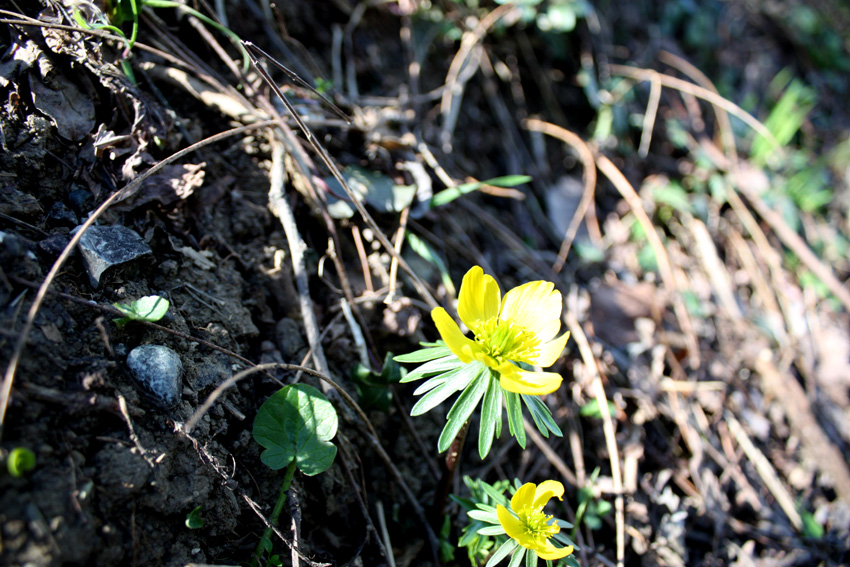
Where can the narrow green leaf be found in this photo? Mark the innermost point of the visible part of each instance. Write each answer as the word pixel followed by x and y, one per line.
pixel 427 253
pixel 297 422
pixel 492 530
pixel 448 195
pixel 517 557
pixel 514 407
pixel 493 493
pixel 430 384
pixel 483 516
pixel 502 552
pixel 542 416
pixel 424 354
pixel 531 559
pixel 461 410
pixel 572 561
pixel 432 367
pixel 563 524
pixel 456 380
pixel 491 412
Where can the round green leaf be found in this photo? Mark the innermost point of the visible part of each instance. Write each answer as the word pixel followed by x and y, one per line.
pixel 298 423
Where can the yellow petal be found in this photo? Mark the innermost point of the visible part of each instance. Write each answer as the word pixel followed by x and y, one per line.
pixel 513 527
pixel 533 383
pixel 479 298
pixel 524 497
pixel 552 552
pixel 535 307
pixel 454 338
pixel 547 490
pixel 550 352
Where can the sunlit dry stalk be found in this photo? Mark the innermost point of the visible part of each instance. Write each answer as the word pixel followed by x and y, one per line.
pixel 664 267
pixel 586 156
pixel 607 427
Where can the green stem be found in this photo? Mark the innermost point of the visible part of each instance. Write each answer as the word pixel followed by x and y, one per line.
pixel 265 542
pixel 229 33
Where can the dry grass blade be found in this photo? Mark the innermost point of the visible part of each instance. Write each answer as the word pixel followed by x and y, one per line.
pixel 577 333
pixel 766 471
pixel 585 154
pixel 697 91
pixel 664 267
pixel 329 163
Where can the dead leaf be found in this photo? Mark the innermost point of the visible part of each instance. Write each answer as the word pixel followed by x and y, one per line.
pixel 51 332
pixel 171 184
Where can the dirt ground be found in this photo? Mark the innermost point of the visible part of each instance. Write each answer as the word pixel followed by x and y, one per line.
pixel 727 371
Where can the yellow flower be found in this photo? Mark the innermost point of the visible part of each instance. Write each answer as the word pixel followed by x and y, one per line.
pixel 526 523
pixel 519 328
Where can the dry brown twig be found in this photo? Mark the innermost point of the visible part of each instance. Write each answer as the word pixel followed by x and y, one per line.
pixel 578 335
pixel 585 154
pixel 665 268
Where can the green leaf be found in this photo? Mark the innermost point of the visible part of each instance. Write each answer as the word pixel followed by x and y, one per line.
pixel 372 388
pixel 541 415
pixel 531 559
pixel 491 413
pixel 455 381
pixel 427 253
pixel 515 426
pixel 572 561
pixel 149 308
pixel 462 409
pixel 502 552
pixel 20 461
pixel 372 187
pixel 591 409
pixel 433 367
pixel 491 530
pixel 494 493
pixel 297 422
pixel 425 354
pixel 481 515
pixel 811 527
pixel 448 195
pixel 517 557
pixel 194 520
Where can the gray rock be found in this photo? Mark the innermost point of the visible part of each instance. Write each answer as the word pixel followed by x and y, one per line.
pixel 157 370
pixel 105 246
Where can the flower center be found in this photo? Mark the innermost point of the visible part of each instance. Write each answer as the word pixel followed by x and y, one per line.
pixel 536 524
pixel 504 339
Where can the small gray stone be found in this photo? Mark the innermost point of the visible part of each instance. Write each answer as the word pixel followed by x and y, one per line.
pixel 157 370
pixel 105 246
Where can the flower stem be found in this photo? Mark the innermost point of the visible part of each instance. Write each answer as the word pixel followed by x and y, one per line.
pixel 265 543
pixel 450 466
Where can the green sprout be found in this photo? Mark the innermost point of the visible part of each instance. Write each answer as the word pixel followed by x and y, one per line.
pixel 119 12
pixel 149 308
pixel 194 520
pixel 591 509
pixel 373 389
pixel 20 461
pixel 295 425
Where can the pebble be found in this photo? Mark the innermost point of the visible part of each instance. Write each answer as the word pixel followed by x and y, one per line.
pixel 157 370
pixel 105 246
